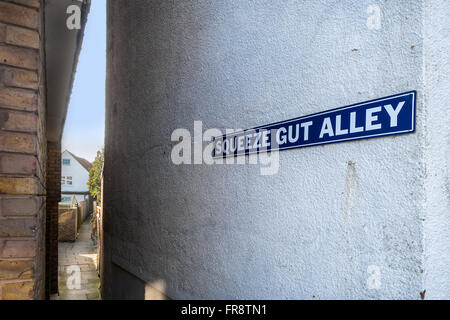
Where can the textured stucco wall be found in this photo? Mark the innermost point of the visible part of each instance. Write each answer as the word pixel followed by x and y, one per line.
pixel 310 231
pixel 436 149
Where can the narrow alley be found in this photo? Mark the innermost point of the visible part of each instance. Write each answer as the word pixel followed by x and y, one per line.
pixel 78 256
pixel 223 156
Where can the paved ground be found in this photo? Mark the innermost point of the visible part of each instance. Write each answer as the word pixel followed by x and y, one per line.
pixel 78 256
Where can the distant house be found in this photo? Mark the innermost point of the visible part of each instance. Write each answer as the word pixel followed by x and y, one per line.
pixel 74 177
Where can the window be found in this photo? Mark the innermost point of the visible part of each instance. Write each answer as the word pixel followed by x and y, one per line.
pixel 69 182
pixel 66 162
pixel 65 199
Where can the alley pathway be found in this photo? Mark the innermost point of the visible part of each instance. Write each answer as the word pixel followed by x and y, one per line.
pixel 80 255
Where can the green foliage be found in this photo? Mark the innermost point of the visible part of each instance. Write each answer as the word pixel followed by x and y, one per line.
pixel 94 183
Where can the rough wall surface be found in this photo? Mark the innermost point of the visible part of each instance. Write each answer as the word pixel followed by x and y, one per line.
pixel 23 150
pixel 437 149
pixel 313 229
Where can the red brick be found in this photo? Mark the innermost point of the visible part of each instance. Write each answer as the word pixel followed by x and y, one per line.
pixel 2 32
pixel 17 227
pixel 18 121
pixel 14 185
pixel 11 206
pixel 17 248
pixel 19 57
pixel 20 99
pixel 19 36
pixel 18 291
pixel 16 269
pixel 29 3
pixel 19 15
pixel 18 164
pixel 17 142
pixel 12 77
pixel 53 197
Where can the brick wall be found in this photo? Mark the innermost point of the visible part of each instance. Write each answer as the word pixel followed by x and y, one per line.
pixel 23 150
pixel 53 198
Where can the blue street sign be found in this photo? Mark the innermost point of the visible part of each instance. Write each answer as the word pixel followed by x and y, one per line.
pixel 386 116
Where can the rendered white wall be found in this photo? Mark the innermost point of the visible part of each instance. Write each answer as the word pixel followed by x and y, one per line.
pixel 313 229
pixel 79 174
pixel 436 149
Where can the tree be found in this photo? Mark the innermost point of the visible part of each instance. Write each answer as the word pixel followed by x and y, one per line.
pixel 94 182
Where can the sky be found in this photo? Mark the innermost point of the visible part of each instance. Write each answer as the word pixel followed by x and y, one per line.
pixel 84 129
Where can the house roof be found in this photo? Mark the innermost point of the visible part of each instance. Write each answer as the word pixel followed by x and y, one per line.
pixel 86 164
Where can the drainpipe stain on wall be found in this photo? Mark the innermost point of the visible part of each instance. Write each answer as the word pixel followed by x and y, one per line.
pixel 351 184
